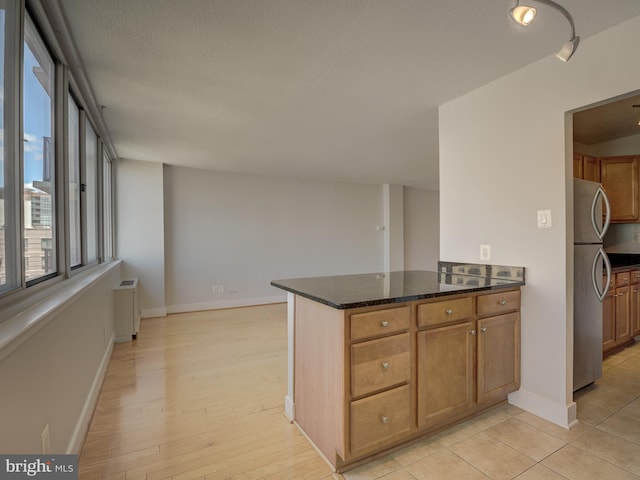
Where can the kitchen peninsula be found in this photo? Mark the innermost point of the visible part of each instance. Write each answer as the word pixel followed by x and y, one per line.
pixel 377 360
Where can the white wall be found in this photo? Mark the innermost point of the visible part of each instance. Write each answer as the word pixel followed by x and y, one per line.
pixel 515 159
pixel 242 231
pixel 55 375
pixel 421 229
pixel 140 230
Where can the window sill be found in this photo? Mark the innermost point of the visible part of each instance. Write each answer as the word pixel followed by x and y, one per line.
pixel 20 321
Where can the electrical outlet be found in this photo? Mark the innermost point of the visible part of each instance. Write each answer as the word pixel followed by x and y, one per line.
pixel 485 252
pixel 46 447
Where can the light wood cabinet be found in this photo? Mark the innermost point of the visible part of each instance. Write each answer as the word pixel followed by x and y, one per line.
pixel 371 378
pixel 498 356
pixel 586 167
pixel 635 303
pixel 619 311
pixel 480 354
pixel 609 317
pixel 446 362
pixel 619 177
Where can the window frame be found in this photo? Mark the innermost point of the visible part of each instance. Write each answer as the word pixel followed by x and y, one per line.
pixel 51 34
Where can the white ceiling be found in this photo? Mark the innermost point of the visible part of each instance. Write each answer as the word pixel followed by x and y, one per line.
pixel 334 89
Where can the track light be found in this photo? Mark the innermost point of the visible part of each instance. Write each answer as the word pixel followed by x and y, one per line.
pixel 524 15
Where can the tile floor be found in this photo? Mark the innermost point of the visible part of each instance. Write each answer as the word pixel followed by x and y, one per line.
pixel 508 443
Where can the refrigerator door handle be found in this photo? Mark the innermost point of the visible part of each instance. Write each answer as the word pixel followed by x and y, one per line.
pixel 600 293
pixel 595 215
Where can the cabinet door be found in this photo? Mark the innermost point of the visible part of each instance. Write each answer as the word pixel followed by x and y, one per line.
pixel 635 309
pixel 445 372
pixel 623 317
pixel 619 176
pixel 498 356
pixel 577 165
pixel 609 321
pixel 590 168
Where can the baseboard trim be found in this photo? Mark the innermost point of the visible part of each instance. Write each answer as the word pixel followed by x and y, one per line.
pixel 558 413
pixel 82 425
pixel 153 312
pixel 240 302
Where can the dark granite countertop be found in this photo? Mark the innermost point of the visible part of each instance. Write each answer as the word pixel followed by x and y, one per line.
pixel 620 261
pixel 361 290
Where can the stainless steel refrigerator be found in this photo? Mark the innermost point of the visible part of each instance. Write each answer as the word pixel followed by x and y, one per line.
pixel 589 289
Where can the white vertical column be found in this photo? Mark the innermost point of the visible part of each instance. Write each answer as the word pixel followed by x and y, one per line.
pixel 393 206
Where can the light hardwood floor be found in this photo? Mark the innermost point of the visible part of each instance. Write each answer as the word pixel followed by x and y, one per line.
pixel 200 396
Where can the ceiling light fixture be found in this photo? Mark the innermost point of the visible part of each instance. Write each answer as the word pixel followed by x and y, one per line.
pixel 524 15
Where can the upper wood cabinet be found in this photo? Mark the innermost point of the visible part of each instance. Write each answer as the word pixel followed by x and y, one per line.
pixel 619 177
pixel 586 167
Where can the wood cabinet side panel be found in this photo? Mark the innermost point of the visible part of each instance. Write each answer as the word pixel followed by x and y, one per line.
pixel 319 389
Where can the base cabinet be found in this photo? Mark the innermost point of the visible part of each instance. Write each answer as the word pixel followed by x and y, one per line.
pixel 498 356
pixel 620 311
pixel 446 363
pixel 609 321
pixel 635 303
pixel 372 378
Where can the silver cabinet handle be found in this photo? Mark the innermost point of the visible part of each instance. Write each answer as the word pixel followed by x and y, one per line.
pixel 384 419
pixel 601 293
pixel 448 311
pixel 595 214
pixel 472 332
pixel 384 323
pixel 502 302
pixel 483 329
pixel 385 365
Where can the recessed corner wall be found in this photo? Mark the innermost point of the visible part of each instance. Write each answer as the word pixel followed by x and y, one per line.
pixel 140 230
pixel 228 235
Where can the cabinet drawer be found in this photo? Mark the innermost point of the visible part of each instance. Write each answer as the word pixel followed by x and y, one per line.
pixel 379 322
pixel 635 276
pixel 379 364
pixel 498 302
pixel 447 311
pixel 377 419
pixel 623 279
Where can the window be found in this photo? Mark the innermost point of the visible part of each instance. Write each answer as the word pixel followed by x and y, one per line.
pixel 10 264
pixel 73 165
pixel 40 192
pixel 107 217
pixel 91 191
pixel 38 153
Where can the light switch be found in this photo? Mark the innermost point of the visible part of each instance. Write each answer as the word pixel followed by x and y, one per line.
pixel 544 218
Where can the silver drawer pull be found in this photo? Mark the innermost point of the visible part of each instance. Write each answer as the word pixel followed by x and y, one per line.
pixel 472 332
pixel 448 311
pixel 384 323
pixel 502 302
pixel 385 365
pixel 384 419
pixel 483 329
